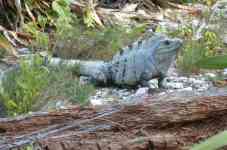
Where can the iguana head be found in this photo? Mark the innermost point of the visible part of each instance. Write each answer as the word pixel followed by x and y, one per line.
pixel 164 51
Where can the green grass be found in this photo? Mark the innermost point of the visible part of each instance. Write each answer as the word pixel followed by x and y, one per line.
pixel 65 85
pixel 215 62
pixel 33 85
pixel 21 87
pixel 191 53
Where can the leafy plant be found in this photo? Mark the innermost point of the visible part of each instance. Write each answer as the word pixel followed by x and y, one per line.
pixel 90 43
pixel 212 143
pixel 64 84
pixel 32 83
pixel 207 2
pixel 6 47
pixel 57 15
pixel 22 86
pixel 214 62
pixel 196 49
pixel 41 39
pixel 191 53
pixel 64 16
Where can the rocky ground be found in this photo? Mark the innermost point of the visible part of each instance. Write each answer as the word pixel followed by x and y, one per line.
pixel 173 85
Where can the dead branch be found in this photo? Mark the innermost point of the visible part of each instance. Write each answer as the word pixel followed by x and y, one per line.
pixel 160 124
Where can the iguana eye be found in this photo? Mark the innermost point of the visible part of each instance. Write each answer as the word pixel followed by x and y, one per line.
pixel 167 42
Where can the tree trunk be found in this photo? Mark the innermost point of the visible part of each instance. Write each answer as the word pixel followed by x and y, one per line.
pixel 174 124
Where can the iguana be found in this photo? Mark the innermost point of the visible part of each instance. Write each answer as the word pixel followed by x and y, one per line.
pixel 133 65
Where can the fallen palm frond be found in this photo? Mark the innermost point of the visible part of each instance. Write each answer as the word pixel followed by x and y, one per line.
pixel 87 9
pixel 22 11
pixel 6 47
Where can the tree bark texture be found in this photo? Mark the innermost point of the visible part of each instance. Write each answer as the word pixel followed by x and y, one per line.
pixel 174 124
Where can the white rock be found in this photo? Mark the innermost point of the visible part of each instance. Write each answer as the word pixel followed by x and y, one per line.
pixel 60 104
pixel 225 71
pixel 191 80
pixel 211 75
pixel 183 79
pixel 174 85
pixel 141 92
pixel 199 82
pixel 96 101
pixel 99 93
pixel 123 93
pixel 162 93
pixel 23 50
pixel 153 84
pixel 170 91
pixel 201 89
pixel 185 89
pixel 129 8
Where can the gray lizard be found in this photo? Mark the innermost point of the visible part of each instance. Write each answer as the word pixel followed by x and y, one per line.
pixel 133 65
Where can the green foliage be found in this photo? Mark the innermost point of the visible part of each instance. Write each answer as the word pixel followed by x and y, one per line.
pixel 28 147
pixel 195 50
pixel 21 87
pixel 88 18
pixel 32 82
pixel 185 32
pixel 31 146
pixel 190 54
pixel 41 39
pixel 72 39
pixel 58 15
pixel 90 43
pixel 6 47
pixel 215 62
pixel 64 16
pixel 207 2
pixel 64 84
pixel 212 143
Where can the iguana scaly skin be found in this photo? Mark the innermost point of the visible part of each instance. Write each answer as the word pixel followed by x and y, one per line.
pixel 133 65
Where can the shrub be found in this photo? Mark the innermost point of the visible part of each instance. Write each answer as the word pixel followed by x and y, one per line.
pixel 87 43
pixel 32 83
pixel 207 2
pixel 195 49
pixel 191 53
pixel 65 85
pixel 21 87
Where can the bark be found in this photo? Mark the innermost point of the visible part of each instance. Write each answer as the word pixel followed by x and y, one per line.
pixel 173 124
pixel 157 114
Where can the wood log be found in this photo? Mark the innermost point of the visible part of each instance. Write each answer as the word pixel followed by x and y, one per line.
pixel 161 124
pixel 156 114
